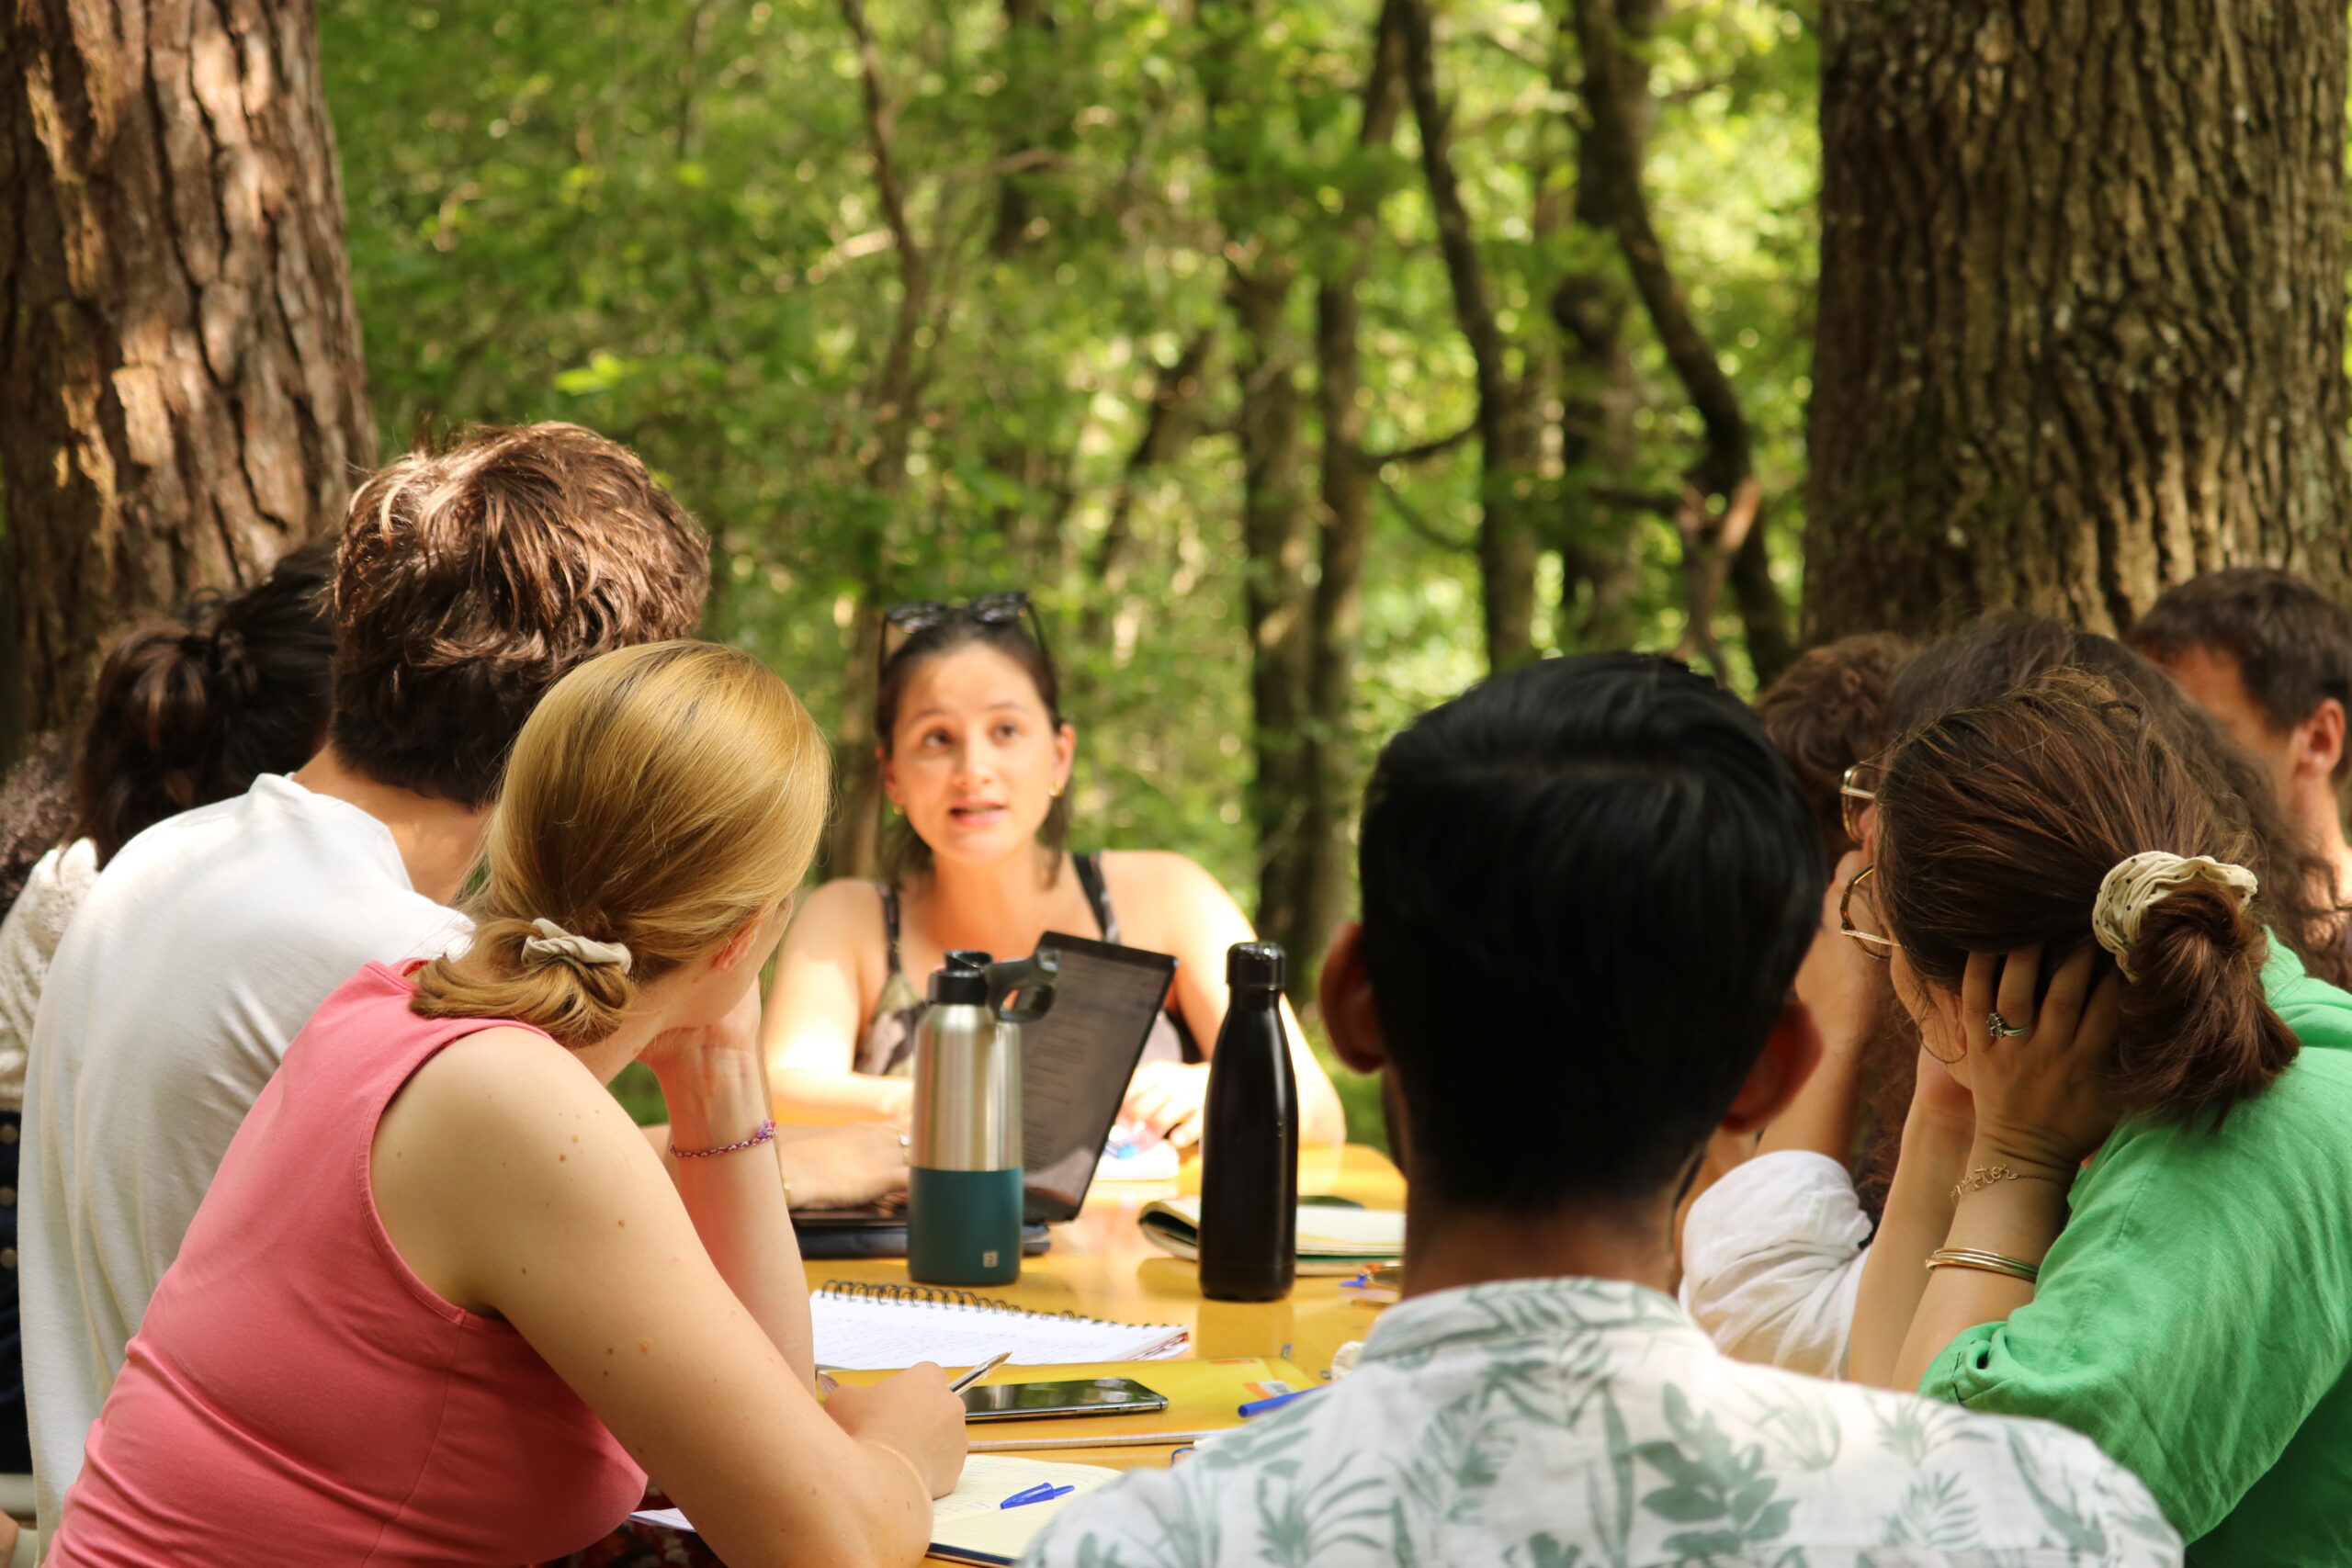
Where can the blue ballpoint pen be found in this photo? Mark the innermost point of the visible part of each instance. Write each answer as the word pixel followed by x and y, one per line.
pixel 1259 1406
pixel 1044 1492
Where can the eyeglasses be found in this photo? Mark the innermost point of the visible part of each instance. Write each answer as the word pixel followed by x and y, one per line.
pixel 1878 947
pixel 1857 792
pixel 989 610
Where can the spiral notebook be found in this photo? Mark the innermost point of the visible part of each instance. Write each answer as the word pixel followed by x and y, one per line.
pixel 870 1327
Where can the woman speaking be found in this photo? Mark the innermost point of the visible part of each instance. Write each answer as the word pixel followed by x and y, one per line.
pixel 975 761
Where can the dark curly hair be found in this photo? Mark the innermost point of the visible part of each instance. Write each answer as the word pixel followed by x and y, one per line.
pixel 190 709
pixel 472 579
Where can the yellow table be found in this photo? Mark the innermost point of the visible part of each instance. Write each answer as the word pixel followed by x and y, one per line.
pixel 1101 1266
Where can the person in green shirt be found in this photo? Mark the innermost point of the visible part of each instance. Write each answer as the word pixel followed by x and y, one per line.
pixel 2124 1201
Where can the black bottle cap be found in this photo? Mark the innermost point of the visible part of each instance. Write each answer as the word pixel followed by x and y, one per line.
pixel 1254 965
pixel 962 981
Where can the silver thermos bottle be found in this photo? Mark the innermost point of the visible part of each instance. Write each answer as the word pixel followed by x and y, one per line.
pixel 964 1194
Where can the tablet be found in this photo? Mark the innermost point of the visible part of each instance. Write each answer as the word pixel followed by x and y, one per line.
pixel 1075 1066
pixel 1076 1063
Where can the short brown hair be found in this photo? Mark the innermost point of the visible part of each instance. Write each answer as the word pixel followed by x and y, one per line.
pixel 1828 711
pixel 2292 644
pixel 1997 825
pixel 470 580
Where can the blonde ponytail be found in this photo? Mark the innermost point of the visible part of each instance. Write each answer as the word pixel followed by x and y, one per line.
pixel 657 799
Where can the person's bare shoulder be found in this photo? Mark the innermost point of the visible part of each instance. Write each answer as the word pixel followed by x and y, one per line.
pixel 505 1090
pixel 1161 895
pixel 842 917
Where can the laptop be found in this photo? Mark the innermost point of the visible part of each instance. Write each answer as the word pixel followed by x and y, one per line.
pixel 1076 1063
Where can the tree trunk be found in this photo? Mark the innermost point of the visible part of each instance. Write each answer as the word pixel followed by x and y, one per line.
pixel 1274 536
pixel 182 391
pixel 1275 529
pixel 1719 517
pixel 852 841
pixel 1168 427
pixel 1510 421
pixel 1326 875
pixel 2081 323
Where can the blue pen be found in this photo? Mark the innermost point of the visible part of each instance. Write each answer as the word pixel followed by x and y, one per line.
pixel 1044 1492
pixel 1259 1406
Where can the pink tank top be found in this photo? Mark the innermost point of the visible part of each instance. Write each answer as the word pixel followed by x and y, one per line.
pixel 297 1394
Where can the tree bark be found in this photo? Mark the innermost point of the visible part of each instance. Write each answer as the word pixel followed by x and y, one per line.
pixel 183 394
pixel 2081 329
pixel 1335 619
pixel 1510 425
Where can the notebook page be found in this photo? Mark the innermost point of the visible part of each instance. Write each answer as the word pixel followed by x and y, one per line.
pixel 972 1519
pixel 875 1336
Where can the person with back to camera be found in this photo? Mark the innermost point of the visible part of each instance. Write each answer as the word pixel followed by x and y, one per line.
pixel 186 709
pixel 977 756
pixel 467 581
pixel 2124 1201
pixel 442 1300
pixel 1774 1252
pixel 1594 877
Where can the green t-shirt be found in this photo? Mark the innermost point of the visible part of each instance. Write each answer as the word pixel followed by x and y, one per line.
pixel 2195 1318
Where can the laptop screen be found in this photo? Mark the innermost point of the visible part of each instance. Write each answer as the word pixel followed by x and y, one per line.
pixel 1077 1060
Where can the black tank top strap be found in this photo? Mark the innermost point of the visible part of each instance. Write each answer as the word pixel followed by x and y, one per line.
pixel 1098 893
pixel 889 922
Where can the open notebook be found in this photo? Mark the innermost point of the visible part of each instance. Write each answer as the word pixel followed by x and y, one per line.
pixel 1330 1240
pixel 970 1523
pixel 870 1327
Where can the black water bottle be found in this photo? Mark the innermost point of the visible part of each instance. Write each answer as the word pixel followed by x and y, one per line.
pixel 1250 1141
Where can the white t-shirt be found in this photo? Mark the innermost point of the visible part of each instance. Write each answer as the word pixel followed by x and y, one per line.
pixel 53 889
pixel 202 949
pixel 1773 1261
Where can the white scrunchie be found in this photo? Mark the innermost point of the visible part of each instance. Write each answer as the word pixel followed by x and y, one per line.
pixel 555 945
pixel 2141 881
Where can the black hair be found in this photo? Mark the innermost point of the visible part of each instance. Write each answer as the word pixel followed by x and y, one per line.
pixel 2012 649
pixel 904 854
pixel 189 710
pixel 2292 644
pixel 1587 887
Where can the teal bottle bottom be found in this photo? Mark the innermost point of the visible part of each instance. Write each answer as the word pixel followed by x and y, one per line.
pixel 963 1226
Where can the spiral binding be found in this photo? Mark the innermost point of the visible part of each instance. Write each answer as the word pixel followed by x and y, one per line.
pixel 940 1295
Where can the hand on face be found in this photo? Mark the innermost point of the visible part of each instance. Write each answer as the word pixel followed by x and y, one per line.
pixel 737 1030
pixel 2040 1096
pixel 975 759
pixel 1839 982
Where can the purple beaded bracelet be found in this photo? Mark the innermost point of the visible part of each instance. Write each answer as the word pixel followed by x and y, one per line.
pixel 766 1132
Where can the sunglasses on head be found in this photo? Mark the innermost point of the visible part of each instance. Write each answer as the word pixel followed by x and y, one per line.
pixel 989 610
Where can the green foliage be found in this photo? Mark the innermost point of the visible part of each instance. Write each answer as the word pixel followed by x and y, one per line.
pixel 660 218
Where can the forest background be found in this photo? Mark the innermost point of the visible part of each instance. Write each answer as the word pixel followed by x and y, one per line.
pixel 1304 362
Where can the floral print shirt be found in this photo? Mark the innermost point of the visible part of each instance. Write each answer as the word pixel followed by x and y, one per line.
pixel 1576 1423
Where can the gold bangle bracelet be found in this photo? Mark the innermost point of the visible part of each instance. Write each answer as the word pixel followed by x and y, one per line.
pixel 1989 1262
pixel 1985 1176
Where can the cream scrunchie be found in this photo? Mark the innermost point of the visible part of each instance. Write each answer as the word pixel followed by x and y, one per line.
pixel 555 945
pixel 2138 882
